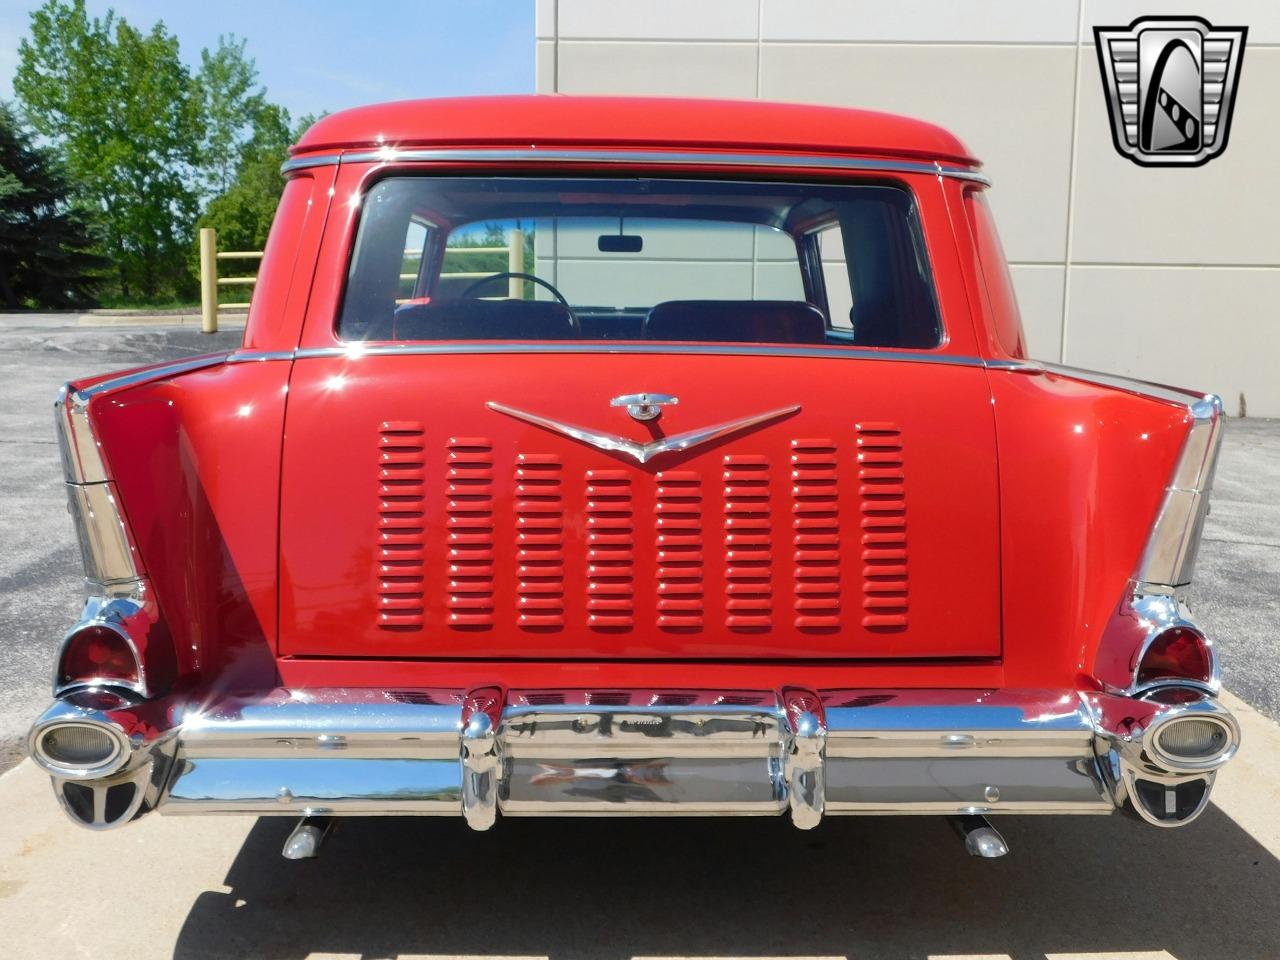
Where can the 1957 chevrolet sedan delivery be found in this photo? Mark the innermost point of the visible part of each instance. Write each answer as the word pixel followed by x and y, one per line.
pixel 622 456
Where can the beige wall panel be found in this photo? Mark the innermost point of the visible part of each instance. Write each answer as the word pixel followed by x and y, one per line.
pixel 920 21
pixel 673 69
pixel 1209 329
pixel 1009 104
pixel 778 281
pixel 545 67
pixel 1262 17
pixel 661 241
pixel 659 20
pixel 544 16
pixel 641 284
pixel 1223 212
pixel 1039 290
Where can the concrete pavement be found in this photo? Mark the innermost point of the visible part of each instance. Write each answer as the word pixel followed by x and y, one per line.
pixel 1101 888
pixel 872 887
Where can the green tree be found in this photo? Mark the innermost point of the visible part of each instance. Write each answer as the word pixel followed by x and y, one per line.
pixel 46 247
pixel 242 215
pixel 119 105
pixel 232 107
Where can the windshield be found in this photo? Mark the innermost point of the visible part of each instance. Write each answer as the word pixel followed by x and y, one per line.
pixel 639 259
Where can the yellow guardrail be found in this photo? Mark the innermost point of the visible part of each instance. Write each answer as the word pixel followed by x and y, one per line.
pixel 210 281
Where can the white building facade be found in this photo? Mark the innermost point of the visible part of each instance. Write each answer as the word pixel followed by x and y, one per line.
pixel 1168 274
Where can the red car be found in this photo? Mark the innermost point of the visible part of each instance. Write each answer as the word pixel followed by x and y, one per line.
pixel 622 456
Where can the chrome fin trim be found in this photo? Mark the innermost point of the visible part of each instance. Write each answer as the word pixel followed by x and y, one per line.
pixel 642 452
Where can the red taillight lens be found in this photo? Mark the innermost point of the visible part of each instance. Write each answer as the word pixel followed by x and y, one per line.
pixel 1177 654
pixel 98 653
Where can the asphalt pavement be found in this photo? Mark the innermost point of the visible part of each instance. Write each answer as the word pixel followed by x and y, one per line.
pixel 1236 594
pixel 1073 888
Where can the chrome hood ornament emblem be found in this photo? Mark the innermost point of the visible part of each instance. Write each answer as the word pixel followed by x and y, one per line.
pixel 644 406
pixel 642 452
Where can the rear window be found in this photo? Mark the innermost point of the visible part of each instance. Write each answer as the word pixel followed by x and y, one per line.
pixel 509 258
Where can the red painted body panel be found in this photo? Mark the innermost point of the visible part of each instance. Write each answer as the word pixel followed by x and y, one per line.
pixel 864 525
pixel 630 121
pixel 1082 473
pixel 196 459
pixel 1019 559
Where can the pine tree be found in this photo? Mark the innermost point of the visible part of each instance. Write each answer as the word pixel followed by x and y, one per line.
pixel 47 250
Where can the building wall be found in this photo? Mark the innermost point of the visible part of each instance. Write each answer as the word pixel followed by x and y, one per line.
pixel 1164 274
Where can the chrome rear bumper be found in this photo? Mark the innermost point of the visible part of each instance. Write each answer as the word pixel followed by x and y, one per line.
pixel 684 753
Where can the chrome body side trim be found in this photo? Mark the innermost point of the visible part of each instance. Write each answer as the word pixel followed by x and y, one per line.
pixel 1146 388
pixel 638 158
pixel 152 373
pixel 357 349
pixel 257 356
pixel 619 753
pixel 304 163
pixel 642 452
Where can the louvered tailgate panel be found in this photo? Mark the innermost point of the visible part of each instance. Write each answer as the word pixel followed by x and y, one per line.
pixel 813 541
pixel 829 533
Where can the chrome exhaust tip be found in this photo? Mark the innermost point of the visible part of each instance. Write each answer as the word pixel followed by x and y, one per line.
pixel 981 839
pixel 307 837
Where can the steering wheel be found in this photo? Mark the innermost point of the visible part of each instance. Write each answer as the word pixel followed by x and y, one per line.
pixel 508 275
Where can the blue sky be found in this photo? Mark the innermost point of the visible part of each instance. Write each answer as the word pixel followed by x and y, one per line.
pixel 315 56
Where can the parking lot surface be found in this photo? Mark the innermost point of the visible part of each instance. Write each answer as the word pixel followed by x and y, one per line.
pixel 209 887
pixel 863 888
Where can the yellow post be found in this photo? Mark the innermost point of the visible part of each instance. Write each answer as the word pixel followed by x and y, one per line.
pixel 515 263
pixel 208 280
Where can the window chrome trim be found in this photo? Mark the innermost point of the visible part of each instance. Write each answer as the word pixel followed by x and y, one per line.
pixel 663 157
pixel 356 349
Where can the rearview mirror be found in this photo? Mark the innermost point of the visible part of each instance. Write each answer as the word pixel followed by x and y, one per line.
pixel 619 243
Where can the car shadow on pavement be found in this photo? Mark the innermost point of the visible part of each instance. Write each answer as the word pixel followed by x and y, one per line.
pixel 859 887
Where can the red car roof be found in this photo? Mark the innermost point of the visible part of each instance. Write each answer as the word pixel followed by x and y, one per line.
pixel 632 122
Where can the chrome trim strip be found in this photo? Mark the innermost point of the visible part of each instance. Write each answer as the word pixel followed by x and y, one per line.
pixel 1157 391
pixel 302 163
pixel 152 373
pixel 81 458
pixel 663 157
pixel 643 452
pixel 355 349
pixel 254 356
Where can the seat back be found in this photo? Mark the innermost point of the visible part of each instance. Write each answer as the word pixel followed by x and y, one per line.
pixel 736 321
pixel 474 319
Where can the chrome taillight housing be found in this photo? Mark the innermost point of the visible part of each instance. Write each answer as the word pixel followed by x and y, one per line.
pixel 1178 653
pixel 99 654
pixel 111 563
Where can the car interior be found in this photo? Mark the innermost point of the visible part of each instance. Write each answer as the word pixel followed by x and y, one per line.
pixel 402 289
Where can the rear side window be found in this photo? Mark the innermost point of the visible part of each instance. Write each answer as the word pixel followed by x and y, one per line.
pixel 513 258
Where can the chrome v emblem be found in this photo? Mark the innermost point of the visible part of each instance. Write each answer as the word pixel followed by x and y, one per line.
pixel 642 452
